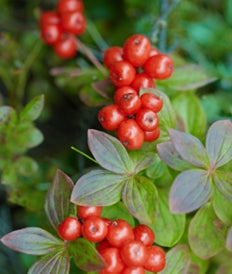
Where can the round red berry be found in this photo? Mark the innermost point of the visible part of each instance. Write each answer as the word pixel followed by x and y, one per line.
pixel 134 253
pixel 51 33
pixel 66 48
pixel 142 80
pixel 144 234
pixel 151 101
pixel 137 49
pixel 150 136
pixel 94 229
pixel 122 73
pixel 49 17
pixel 69 229
pixel 129 103
pixel 133 270
pixel 159 66
pixel 154 51
pixel 130 134
pixel 103 245
pixel 64 6
pixel 156 259
pixel 112 55
pixel 110 117
pixel 73 22
pixel 85 212
pixel 119 232
pixel 147 119
pixel 120 92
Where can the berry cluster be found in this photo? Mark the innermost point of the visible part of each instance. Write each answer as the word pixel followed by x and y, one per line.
pixel 124 249
pixel 134 66
pixel 59 28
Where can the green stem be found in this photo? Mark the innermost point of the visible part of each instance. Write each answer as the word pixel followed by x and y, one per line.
pixel 96 36
pixel 84 154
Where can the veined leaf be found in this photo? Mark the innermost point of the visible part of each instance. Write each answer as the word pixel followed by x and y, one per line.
pixel 141 160
pixel 223 182
pixel 33 109
pixel 98 187
pixel 219 143
pixel 190 190
pixel 57 202
pixel 109 152
pixel 31 240
pixel 157 169
pixel 140 198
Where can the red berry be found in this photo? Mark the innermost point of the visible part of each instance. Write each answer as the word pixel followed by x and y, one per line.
pixel 73 22
pixel 147 119
pixel 137 49
pixel 103 245
pixel 51 33
pixel 159 66
pixel 94 229
pixel 110 117
pixel 130 103
pixel 150 136
pixel 66 48
pixel 144 234
pixel 64 6
pixel 130 134
pixel 120 92
pixel 142 80
pixel 49 17
pixel 151 101
pixel 154 51
pixel 133 270
pixel 114 263
pixel 134 253
pixel 85 212
pixel 119 232
pixel 156 259
pixel 69 229
pixel 112 55
pixel 122 73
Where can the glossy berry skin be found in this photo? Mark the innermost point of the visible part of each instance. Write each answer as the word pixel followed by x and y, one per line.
pixel 112 55
pixel 66 48
pixel 85 212
pixel 130 103
pixel 110 117
pixel 120 92
pixel 69 229
pixel 103 245
pixel 49 17
pixel 119 232
pixel 133 270
pixel 51 33
pixel 156 259
pixel 150 136
pixel 73 22
pixel 122 73
pixel 154 51
pixel 134 253
pixel 137 49
pixel 151 101
pixel 94 229
pixel 147 119
pixel 144 234
pixel 114 263
pixel 142 80
pixel 159 66
pixel 130 134
pixel 64 6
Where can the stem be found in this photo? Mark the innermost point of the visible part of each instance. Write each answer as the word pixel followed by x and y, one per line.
pixel 100 42
pixel 84 154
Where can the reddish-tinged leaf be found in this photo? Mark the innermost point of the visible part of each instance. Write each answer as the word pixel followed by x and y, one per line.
pixel 98 187
pixel 31 240
pixel 103 87
pixel 229 240
pixel 140 198
pixel 219 143
pixel 223 181
pixel 190 190
pixel 142 160
pixel 109 152
pixel 171 157
pixel 57 203
pixel 189 148
pixel 56 262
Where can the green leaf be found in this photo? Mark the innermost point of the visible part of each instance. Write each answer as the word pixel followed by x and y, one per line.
pixel 171 157
pixel 25 166
pixel 109 152
pixel 98 187
pixel 33 109
pixel 8 117
pixel 140 198
pixel 219 143
pixel 157 169
pixel 177 260
pixel 57 202
pixel 191 114
pixel 168 227
pixel 27 136
pixel 141 160
pixel 188 77
pixel 223 182
pixel 229 240
pixel 190 190
pixel 206 233
pixel 31 240
pixel 55 262
pixel 222 207
pixel 90 97
pixel 85 255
